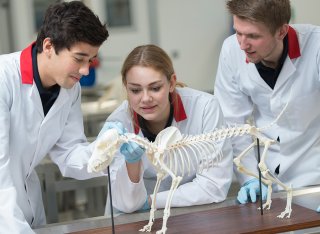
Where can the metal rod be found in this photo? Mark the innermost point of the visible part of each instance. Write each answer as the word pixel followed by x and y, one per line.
pixel 111 206
pixel 260 183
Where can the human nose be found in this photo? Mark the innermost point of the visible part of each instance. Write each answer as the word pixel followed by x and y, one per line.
pixel 84 69
pixel 146 96
pixel 243 42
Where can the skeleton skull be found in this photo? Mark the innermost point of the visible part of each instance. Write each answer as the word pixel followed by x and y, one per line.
pixel 104 150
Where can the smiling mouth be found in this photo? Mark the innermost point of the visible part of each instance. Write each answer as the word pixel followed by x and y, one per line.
pixel 147 108
pixel 77 78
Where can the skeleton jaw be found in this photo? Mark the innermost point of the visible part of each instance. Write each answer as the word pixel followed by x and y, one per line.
pixel 104 150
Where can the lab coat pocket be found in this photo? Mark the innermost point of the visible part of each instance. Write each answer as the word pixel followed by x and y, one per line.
pixel 303 110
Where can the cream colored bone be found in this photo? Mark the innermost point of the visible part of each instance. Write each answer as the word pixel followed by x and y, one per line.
pixel 172 153
pixel 104 150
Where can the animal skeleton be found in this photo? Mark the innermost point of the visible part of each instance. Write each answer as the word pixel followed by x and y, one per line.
pixel 169 154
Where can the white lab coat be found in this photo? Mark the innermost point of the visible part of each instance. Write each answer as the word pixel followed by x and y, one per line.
pixel 27 136
pixel 242 93
pixel 203 115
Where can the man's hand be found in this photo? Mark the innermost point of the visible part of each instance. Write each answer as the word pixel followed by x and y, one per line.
pixel 250 190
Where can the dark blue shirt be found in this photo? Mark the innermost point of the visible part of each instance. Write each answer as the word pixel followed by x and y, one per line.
pixel 48 96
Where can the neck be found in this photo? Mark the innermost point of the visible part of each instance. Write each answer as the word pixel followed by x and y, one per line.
pixel 272 60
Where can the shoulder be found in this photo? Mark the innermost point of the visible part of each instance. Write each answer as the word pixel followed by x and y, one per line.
pixel 305 28
pixel 308 37
pixel 231 52
pixel 195 97
pixel 10 68
pixel 10 62
pixel 306 32
pixel 122 114
pixel 230 43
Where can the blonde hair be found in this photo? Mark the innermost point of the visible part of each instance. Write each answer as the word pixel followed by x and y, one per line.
pixel 149 56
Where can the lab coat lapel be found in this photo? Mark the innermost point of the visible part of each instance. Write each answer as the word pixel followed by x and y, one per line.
pixel 286 72
pixel 35 96
pixel 255 76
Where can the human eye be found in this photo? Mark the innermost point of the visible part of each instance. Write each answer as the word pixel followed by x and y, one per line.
pixel 78 60
pixel 253 36
pixel 134 90
pixel 156 88
pixel 238 33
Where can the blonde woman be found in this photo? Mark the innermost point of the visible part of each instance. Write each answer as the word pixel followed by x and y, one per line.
pixel 154 103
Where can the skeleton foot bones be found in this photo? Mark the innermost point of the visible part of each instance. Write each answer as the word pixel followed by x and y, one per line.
pixel 171 154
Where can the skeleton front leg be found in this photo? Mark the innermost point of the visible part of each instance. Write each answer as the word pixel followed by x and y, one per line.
pixel 166 213
pixel 147 228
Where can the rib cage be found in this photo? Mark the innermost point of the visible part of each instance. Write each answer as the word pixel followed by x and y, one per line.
pixel 198 152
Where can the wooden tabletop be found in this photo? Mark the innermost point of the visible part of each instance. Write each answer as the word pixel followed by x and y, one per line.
pixel 233 219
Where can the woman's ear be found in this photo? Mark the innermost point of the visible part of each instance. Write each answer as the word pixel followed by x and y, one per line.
pixel 173 82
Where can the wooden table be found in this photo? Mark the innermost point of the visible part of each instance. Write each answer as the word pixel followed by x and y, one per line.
pixel 230 219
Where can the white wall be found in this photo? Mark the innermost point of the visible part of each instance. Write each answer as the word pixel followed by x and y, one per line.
pixel 191 31
pixel 305 11
pixel 23 27
pixel 4 29
pixel 121 40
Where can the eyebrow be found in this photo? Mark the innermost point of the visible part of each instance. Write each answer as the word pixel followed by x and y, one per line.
pixel 83 54
pixel 153 83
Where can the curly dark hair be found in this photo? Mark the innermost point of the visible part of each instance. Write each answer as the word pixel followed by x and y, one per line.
pixel 67 23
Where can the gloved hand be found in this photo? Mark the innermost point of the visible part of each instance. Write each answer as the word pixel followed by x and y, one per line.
pixel 318 209
pixel 250 190
pixel 109 125
pixel 146 205
pixel 131 151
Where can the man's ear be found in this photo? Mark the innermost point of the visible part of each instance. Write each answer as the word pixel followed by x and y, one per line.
pixel 283 30
pixel 47 47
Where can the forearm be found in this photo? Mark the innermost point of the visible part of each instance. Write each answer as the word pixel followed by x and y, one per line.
pixel 128 196
pixel 134 171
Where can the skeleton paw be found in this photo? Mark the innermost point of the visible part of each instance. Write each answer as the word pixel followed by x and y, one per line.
pixel 285 214
pixel 267 205
pixel 146 228
pixel 162 231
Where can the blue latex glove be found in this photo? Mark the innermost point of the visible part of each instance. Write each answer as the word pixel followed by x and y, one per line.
pixel 250 190
pixel 318 209
pixel 146 205
pixel 131 151
pixel 109 125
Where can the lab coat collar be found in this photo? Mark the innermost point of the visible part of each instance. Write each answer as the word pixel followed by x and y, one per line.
pixel 293 44
pixel 26 65
pixel 179 113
